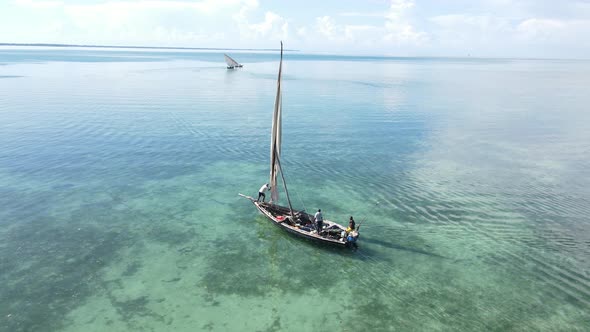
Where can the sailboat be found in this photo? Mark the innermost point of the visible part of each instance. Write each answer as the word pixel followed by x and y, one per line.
pixel 231 63
pixel 299 223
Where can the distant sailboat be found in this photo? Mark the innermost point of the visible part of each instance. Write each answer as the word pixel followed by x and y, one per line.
pixel 231 63
pixel 299 223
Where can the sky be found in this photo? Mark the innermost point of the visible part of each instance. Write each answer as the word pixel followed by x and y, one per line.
pixel 484 28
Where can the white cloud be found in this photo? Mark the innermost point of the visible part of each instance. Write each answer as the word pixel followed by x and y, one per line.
pixel 395 31
pixel 539 29
pixel 364 35
pixel 302 31
pixel 460 29
pixel 398 29
pixel 326 27
pixel 163 34
pixel 206 6
pixel 361 14
pixel 398 8
pixel 175 22
pixel 117 12
pixel 492 35
pixel 38 4
pixel 404 34
pixel 273 26
pixel 461 21
pixel 342 34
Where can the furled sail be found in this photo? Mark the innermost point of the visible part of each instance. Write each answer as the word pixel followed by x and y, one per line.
pixel 230 62
pixel 275 143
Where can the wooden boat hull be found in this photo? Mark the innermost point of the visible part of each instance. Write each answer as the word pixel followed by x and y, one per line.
pixel 278 216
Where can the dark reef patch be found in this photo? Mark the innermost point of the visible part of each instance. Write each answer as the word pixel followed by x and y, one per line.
pixel 283 264
pixel 132 269
pixel 130 309
pixel 170 235
pixel 50 267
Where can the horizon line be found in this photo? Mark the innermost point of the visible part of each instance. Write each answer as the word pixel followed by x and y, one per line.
pixel 289 50
pixel 144 47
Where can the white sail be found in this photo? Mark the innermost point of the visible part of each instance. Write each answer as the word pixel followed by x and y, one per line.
pixel 230 62
pixel 275 138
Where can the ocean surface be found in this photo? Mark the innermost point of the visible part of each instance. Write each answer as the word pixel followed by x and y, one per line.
pixel 120 173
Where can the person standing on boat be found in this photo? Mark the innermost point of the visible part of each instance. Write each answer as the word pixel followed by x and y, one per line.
pixel 319 219
pixel 261 191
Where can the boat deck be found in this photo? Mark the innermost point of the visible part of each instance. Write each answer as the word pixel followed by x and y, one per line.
pixel 303 225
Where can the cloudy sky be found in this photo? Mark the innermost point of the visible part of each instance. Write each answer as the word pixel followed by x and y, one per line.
pixel 505 28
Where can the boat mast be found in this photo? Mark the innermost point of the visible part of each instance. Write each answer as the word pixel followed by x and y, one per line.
pixel 275 144
pixel 285 185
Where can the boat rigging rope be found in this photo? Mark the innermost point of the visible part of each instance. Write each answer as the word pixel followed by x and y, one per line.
pixel 304 209
pixel 296 192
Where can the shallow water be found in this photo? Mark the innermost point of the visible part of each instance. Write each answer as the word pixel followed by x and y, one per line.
pixel 119 175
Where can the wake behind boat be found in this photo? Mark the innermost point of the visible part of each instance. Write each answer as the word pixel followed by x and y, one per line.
pixel 231 63
pixel 299 223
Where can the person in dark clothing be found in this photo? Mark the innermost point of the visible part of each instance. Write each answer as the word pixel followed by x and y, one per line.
pixel 351 224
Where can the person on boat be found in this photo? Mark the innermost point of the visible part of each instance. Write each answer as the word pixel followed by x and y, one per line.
pixel 351 239
pixel 351 225
pixel 319 219
pixel 261 191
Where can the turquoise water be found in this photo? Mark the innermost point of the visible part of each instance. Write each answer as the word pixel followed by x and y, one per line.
pixel 119 175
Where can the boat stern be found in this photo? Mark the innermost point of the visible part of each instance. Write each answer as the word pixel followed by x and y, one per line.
pixel 351 238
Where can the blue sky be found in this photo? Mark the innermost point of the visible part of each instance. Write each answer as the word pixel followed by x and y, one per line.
pixel 486 28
